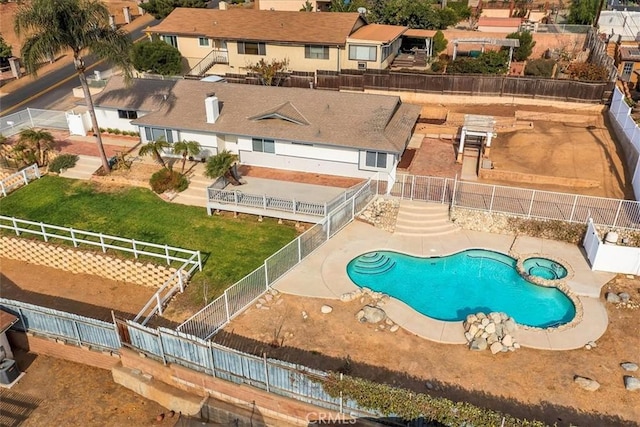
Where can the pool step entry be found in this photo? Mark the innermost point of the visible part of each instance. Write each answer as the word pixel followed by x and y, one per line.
pixel 422 219
pixel 373 263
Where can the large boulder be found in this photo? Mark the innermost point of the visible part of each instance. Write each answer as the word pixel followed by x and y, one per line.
pixel 631 383
pixel 586 383
pixel 372 314
pixel 613 297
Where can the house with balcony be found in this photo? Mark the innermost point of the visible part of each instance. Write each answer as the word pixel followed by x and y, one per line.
pixel 344 134
pixel 228 41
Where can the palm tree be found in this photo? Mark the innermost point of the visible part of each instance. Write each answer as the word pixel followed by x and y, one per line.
pixel 39 142
pixel 154 148
pixel 55 26
pixel 186 148
pixel 220 165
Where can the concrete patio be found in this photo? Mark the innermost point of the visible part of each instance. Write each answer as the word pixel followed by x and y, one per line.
pixel 323 275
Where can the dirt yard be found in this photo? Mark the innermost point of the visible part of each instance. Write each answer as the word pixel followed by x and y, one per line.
pixel 527 383
pixel 580 147
pixel 56 392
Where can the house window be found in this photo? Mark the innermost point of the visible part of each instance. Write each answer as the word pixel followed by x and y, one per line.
pixel 362 53
pixel 252 48
pixel 375 159
pixel 264 145
pixel 203 41
pixel 127 114
pixel 172 40
pixel 153 134
pixel 316 52
pixel 386 51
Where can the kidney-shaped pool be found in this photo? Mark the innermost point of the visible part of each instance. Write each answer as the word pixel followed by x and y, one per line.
pixel 451 287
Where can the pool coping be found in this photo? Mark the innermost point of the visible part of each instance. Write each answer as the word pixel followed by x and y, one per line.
pixel 323 275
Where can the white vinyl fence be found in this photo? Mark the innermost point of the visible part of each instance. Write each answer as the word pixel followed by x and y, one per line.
pixel 18 179
pixel 30 118
pixel 222 310
pixel 628 132
pixel 104 241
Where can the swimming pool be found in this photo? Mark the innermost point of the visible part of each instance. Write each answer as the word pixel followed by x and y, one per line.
pixel 451 287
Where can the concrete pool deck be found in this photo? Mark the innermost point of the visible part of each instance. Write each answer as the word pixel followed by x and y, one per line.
pixel 323 275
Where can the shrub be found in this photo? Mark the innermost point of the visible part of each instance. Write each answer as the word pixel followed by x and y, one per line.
pixel 539 67
pixel 587 71
pixel 156 57
pixel 117 131
pixel 166 180
pixel 109 130
pixel 552 229
pixel 437 67
pixel 63 161
pixel 102 130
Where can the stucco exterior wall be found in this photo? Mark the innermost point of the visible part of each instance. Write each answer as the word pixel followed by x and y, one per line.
pixel 290 5
pixel 208 142
pixel 501 30
pixel 108 118
pixel 496 13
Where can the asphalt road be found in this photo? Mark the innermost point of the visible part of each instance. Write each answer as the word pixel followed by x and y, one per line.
pixel 50 88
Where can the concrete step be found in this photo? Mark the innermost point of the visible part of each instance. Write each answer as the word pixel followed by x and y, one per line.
pixel 84 168
pixel 423 219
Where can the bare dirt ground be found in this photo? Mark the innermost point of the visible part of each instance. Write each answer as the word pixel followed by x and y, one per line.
pixel 582 150
pixel 56 392
pixel 527 383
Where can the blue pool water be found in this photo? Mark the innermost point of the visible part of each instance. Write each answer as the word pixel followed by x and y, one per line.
pixel 545 268
pixel 450 288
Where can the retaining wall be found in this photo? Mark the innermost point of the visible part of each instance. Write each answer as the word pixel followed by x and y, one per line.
pixel 84 262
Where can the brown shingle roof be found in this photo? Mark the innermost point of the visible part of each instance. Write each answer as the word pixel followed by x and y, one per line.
pixel 6 320
pixel 377 122
pixel 378 32
pixel 630 53
pixel 261 25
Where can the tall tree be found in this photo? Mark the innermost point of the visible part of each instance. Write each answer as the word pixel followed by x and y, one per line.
pixel 186 148
pixel 5 49
pixel 55 26
pixel 522 52
pixel 155 148
pixel 583 12
pixel 439 43
pixel 156 57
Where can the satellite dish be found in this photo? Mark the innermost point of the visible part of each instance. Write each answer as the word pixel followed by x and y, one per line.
pixel 362 10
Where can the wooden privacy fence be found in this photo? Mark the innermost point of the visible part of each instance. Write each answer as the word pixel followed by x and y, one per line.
pixel 467 84
pixel 523 202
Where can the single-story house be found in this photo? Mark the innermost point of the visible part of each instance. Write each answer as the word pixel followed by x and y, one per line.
pixel 337 133
pixel 228 41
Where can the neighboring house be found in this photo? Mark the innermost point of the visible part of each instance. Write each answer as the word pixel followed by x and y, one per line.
pixel 292 5
pixel 346 134
pixel 499 25
pixel 628 63
pixel 231 40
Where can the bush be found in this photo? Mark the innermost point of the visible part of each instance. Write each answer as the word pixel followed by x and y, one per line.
pixel 167 180
pixel 156 57
pixel 540 67
pixel 63 161
pixel 437 66
pixel 587 71
pixel 117 131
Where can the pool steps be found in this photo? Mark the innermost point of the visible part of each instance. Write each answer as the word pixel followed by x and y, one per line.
pixel 373 263
pixel 422 219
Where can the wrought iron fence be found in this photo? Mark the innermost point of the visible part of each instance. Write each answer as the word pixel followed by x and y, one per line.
pixel 18 179
pixel 523 202
pixel 236 298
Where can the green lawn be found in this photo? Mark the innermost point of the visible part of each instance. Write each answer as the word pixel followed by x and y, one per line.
pixel 231 248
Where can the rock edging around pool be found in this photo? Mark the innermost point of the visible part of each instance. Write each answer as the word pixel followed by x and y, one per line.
pixel 560 284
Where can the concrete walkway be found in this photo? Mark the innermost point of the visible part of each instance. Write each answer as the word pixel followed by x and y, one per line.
pixel 323 275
